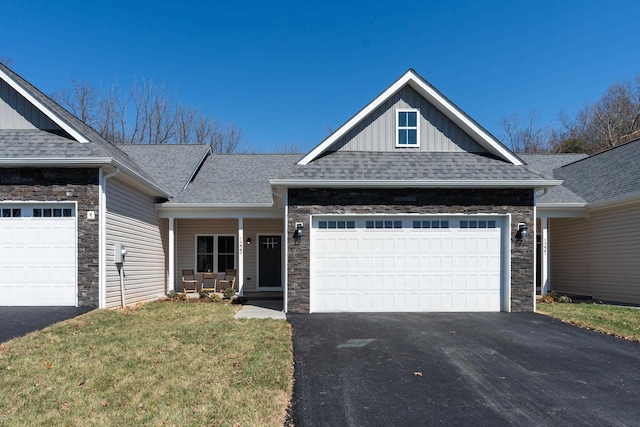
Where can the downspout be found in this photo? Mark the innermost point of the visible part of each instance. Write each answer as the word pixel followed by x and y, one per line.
pixel 102 235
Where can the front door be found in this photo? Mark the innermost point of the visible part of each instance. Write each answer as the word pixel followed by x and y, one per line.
pixel 270 262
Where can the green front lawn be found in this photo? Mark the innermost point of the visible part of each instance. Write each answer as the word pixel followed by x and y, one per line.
pixel 615 320
pixel 159 364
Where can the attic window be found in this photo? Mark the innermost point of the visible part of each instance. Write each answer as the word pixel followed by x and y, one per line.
pixel 407 128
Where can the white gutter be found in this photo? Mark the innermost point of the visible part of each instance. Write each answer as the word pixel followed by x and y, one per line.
pixel 344 183
pixel 55 161
pixel 102 236
pixel 561 205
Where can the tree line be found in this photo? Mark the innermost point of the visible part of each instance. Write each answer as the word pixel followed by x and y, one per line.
pixel 146 113
pixel 611 120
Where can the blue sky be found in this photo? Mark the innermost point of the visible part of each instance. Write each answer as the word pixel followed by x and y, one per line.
pixel 287 72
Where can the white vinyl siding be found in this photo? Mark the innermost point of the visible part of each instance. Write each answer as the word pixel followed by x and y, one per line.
pixel 133 221
pixel 377 132
pixel 597 256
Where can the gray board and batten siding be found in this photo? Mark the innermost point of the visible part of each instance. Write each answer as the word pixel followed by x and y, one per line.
pixel 377 131
pixel 133 221
pixel 18 113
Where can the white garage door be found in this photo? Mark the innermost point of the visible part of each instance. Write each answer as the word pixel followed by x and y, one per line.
pixel 38 254
pixel 371 264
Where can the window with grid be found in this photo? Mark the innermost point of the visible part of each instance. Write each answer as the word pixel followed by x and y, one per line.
pixel 204 253
pixel 407 128
pixel 226 253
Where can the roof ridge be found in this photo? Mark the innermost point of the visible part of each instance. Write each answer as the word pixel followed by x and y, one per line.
pixel 601 152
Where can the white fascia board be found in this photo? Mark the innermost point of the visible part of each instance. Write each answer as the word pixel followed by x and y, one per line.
pixel 462 120
pixel 433 96
pixel 342 130
pixel 45 110
pixel 338 183
pixel 182 206
pixel 56 161
pixel 209 212
pixel 550 211
pixel 561 205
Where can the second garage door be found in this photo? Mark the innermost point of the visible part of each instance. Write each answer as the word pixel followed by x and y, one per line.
pixel 38 254
pixel 391 263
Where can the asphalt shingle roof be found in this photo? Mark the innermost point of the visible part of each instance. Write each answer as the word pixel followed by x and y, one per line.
pixel 352 165
pixel 169 165
pixel 35 143
pixel 545 164
pixel 608 175
pixel 237 178
pixel 97 145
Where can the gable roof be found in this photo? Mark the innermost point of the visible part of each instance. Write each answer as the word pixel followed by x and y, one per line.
pixel 172 166
pixel 610 176
pixel 437 99
pixel 98 151
pixel 236 180
pixel 413 169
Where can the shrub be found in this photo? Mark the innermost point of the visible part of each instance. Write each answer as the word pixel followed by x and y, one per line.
pixel 229 293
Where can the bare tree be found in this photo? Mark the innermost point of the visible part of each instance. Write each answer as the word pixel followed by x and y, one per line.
pixel 525 136
pixel 146 114
pixel 6 60
pixel 604 124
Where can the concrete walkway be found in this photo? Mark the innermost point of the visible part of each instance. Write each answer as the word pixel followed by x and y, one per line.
pixel 261 309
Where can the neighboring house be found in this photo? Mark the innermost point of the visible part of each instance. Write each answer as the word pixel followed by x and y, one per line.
pixel 65 195
pixel 594 226
pixel 409 206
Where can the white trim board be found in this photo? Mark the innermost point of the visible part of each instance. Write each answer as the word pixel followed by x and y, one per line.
pixel 45 110
pixel 431 94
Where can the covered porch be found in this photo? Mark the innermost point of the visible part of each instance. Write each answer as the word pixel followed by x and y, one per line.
pixel 213 239
pixel 546 214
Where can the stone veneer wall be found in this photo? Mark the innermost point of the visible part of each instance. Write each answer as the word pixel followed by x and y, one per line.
pixel 68 185
pixel 311 201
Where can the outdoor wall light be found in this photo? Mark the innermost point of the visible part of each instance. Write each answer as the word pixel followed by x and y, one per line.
pixel 248 241
pixel 522 233
pixel 298 233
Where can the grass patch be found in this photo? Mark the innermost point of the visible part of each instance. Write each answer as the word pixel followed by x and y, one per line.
pixel 623 322
pixel 158 364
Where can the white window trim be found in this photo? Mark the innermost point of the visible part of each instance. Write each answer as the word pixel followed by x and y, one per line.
pixel 216 251
pixel 398 127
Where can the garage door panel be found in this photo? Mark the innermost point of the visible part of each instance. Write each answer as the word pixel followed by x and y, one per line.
pixel 404 269
pixel 38 256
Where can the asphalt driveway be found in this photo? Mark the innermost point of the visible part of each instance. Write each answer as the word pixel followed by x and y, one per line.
pixel 19 321
pixel 484 369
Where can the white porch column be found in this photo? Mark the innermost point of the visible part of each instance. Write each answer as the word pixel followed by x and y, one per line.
pixel 240 278
pixel 545 284
pixel 172 262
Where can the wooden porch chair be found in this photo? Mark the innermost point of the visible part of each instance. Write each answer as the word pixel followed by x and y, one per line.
pixel 189 282
pixel 229 280
pixel 209 282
